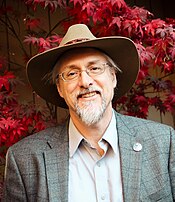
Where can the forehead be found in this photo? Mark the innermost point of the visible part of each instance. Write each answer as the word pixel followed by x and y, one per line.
pixel 80 55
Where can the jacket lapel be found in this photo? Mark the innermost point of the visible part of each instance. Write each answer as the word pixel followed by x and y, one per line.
pixel 57 166
pixel 131 159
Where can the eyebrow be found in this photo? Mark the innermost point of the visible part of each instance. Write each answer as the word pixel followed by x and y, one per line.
pixel 88 64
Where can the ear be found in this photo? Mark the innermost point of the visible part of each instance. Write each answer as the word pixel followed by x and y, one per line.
pixel 59 90
pixel 114 78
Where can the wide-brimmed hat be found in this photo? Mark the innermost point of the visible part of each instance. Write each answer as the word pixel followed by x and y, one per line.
pixel 121 49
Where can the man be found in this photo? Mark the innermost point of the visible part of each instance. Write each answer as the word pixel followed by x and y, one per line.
pixel 98 154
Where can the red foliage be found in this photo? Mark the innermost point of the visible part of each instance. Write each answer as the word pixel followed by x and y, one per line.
pixel 43 44
pixel 17 120
pixel 51 4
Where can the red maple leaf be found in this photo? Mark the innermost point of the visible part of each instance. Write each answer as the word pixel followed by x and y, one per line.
pixel 89 7
pixel 8 123
pixel 118 3
pixel 168 66
pixel 172 52
pixel 145 54
pixel 31 40
pixel 77 2
pixel 115 21
pixel 44 42
pixel 171 98
pixel 139 13
pixel 154 100
pixel 53 5
pixel 5 80
pixel 170 103
pixel 141 99
pixel 151 27
pixel 144 111
pixel 54 39
pixel 132 27
pixel 143 74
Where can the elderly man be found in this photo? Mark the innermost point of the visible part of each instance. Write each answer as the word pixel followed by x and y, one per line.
pixel 97 154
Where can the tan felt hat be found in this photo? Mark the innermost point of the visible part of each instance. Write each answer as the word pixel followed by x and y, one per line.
pixel 121 49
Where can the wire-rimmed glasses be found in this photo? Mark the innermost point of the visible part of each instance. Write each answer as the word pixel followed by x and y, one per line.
pixel 75 73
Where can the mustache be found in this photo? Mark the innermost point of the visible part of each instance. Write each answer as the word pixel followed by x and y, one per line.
pixel 88 90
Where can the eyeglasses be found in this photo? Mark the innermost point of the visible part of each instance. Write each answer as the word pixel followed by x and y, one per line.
pixel 74 74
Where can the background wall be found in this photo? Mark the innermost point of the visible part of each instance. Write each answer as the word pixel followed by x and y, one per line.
pixel 160 8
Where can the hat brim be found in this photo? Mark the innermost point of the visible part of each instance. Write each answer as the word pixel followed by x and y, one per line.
pixel 121 49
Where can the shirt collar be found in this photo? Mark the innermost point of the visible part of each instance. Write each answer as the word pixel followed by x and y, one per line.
pixel 74 138
pixel 110 136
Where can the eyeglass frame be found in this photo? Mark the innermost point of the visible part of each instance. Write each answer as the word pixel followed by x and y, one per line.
pixel 87 70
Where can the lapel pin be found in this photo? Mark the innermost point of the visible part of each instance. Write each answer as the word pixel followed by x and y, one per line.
pixel 137 147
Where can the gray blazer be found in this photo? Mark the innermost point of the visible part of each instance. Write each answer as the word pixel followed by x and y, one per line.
pixel 37 166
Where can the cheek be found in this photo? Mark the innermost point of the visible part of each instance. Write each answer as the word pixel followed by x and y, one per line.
pixel 66 90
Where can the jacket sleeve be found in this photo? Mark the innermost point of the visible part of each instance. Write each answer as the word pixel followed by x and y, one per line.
pixel 172 162
pixel 14 189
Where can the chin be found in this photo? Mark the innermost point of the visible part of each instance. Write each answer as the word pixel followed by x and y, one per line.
pixel 90 113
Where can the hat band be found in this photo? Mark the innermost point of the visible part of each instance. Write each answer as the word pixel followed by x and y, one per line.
pixel 76 40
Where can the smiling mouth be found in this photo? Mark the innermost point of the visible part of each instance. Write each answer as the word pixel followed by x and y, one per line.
pixel 89 94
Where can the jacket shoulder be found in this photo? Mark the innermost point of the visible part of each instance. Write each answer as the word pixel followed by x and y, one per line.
pixel 143 124
pixel 40 141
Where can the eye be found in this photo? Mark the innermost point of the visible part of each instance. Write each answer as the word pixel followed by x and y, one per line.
pixel 95 69
pixel 71 74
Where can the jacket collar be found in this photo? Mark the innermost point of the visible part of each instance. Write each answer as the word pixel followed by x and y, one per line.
pixel 131 160
pixel 57 165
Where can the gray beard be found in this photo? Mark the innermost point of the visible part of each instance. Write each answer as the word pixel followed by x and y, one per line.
pixel 89 114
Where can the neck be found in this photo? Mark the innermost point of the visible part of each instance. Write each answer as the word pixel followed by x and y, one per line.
pixel 93 133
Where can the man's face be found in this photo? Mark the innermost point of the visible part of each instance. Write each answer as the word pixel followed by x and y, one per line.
pixel 88 97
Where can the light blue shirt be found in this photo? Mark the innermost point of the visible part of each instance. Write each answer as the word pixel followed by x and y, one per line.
pixel 94 178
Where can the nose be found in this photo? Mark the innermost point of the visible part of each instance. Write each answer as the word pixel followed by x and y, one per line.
pixel 85 80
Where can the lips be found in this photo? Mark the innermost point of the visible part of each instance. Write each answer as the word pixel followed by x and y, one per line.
pixel 88 94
